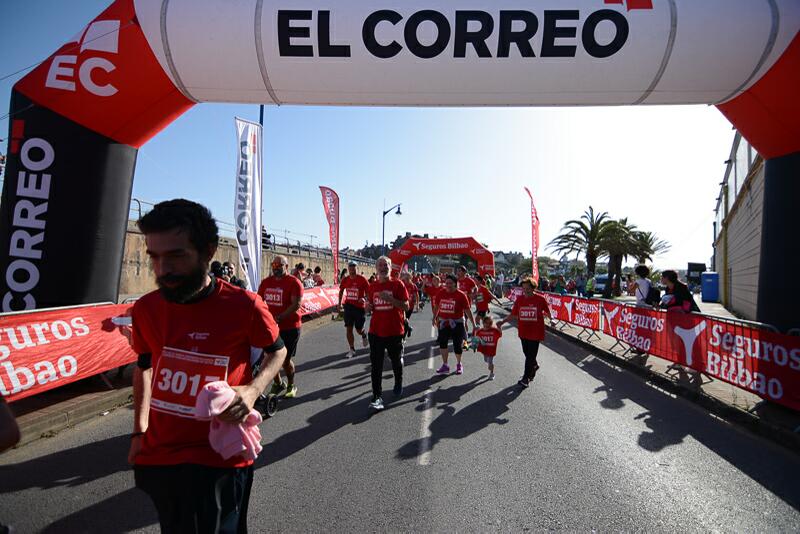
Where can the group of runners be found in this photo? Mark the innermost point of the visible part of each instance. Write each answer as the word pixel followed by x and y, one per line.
pixel 195 338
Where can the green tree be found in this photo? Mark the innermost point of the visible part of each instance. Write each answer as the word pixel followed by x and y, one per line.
pixel 617 241
pixel 649 245
pixel 582 235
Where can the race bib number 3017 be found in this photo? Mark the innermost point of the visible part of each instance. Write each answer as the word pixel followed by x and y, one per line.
pixel 180 376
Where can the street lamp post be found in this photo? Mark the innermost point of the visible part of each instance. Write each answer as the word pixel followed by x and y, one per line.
pixel 383 232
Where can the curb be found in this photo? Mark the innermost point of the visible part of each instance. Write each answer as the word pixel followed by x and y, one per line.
pixel 48 421
pixel 729 413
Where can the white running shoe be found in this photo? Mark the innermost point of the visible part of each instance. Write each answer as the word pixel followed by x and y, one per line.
pixel 491 376
pixel 376 404
pixel 350 354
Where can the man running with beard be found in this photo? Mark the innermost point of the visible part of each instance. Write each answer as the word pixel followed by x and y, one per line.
pixel 451 307
pixel 192 331
pixel 387 299
pixel 283 292
pixel 354 289
pixel 529 311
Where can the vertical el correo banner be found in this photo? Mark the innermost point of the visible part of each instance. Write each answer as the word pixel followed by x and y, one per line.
pixel 77 119
pixel 534 239
pixel 247 199
pixel 330 202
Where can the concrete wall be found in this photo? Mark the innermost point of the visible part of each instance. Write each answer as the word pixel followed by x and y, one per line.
pixel 739 256
pixel 137 278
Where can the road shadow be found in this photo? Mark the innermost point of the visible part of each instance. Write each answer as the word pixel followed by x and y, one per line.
pixel 459 424
pixel 413 353
pixel 68 468
pixel 75 467
pixel 128 511
pixel 351 411
pixel 670 421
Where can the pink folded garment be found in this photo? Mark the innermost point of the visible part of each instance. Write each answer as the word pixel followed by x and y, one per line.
pixel 228 439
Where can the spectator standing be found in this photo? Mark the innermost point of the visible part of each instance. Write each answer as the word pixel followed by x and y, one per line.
pixel 317 277
pixel 580 285
pixel 230 270
pixel 642 285
pixel 677 297
pixel 498 284
pixel 201 328
pixel 283 294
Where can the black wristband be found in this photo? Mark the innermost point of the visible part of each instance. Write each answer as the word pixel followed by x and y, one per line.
pixel 145 361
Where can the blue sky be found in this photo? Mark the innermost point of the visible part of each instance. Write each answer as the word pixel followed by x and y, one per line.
pixel 456 171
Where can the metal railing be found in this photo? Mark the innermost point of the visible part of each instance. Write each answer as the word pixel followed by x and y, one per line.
pixel 286 245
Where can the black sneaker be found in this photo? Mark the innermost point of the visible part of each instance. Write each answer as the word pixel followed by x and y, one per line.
pixel 398 389
pixel 524 382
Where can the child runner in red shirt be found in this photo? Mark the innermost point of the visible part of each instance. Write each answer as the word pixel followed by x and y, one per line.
pixel 489 336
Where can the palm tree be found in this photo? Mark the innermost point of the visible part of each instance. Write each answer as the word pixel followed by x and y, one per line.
pixel 617 242
pixel 648 245
pixel 581 235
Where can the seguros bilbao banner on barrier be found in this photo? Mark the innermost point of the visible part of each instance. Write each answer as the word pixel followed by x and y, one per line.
pixel 318 299
pixel 575 310
pixel 760 361
pixel 44 350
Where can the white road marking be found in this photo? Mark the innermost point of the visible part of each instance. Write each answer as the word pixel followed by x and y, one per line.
pixel 424 456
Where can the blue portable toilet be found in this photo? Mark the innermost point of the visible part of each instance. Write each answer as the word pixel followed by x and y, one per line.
pixel 709 286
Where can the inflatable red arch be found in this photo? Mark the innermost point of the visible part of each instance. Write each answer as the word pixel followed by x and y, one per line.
pixel 77 120
pixel 418 246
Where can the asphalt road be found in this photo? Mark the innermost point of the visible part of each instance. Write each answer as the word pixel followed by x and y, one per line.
pixel 587 447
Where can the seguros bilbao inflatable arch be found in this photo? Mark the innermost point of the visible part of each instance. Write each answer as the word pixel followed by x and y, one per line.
pixel 417 246
pixel 78 119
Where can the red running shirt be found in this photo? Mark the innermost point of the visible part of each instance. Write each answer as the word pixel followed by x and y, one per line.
pixel 530 312
pixel 490 338
pixel 432 291
pixel 278 293
pixel 387 320
pixel 466 285
pixel 411 289
pixel 483 298
pixel 191 345
pixel 355 290
pixel 451 305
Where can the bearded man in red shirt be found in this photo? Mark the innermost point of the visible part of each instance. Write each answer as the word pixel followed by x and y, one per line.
pixel 192 331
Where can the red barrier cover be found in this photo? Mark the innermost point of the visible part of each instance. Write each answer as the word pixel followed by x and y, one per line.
pixel 760 361
pixel 575 310
pixel 318 299
pixel 47 349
